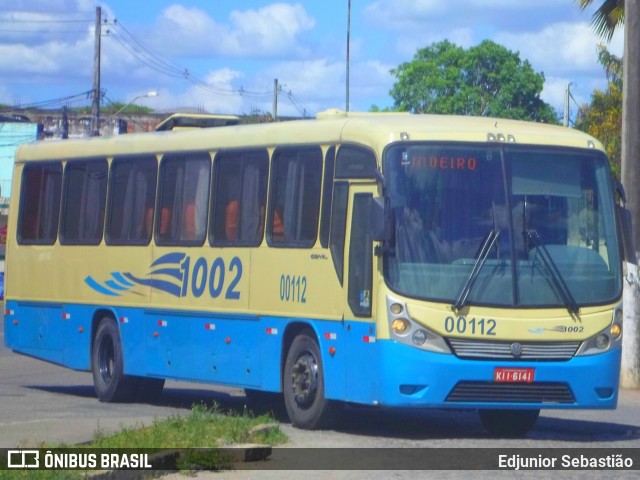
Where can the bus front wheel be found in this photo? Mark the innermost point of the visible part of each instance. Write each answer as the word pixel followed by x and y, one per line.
pixel 303 385
pixel 107 364
pixel 508 423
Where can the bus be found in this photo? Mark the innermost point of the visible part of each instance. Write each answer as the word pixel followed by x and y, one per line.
pixel 381 259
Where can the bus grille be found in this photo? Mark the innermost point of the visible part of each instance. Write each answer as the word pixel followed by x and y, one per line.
pixel 502 350
pixel 491 392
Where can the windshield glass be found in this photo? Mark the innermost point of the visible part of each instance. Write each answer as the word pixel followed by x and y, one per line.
pixel 501 225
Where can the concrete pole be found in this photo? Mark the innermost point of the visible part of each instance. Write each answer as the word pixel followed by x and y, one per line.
pixel 630 374
pixel 95 108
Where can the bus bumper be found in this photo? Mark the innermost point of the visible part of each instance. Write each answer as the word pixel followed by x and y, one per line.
pixel 410 377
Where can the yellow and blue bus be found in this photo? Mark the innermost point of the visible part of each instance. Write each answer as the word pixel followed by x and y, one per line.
pixel 389 260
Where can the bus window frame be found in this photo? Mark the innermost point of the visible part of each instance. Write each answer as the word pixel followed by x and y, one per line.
pixel 23 193
pixel 272 216
pixel 180 156
pixel 62 234
pixel 243 155
pixel 118 159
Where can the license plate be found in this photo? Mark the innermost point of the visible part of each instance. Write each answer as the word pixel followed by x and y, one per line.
pixel 513 375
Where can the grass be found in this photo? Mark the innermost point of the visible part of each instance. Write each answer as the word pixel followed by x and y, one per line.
pixel 204 427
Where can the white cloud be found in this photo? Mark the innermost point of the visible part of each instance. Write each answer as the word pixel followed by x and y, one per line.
pixel 273 30
pixel 559 47
pixel 218 98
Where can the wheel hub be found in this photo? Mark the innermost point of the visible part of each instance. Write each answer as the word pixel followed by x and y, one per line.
pixel 305 380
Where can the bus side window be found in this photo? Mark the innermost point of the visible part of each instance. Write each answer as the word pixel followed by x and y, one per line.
pixel 184 196
pixel 295 196
pixel 83 202
pixel 132 195
pixel 240 196
pixel 40 203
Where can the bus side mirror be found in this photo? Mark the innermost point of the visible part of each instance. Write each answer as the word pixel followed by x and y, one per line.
pixel 378 227
pixel 626 232
pixel 382 223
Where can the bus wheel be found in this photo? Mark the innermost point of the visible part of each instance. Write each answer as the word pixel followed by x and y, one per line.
pixel 508 423
pixel 304 385
pixel 109 381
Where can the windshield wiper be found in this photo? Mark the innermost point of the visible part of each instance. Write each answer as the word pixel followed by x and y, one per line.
pixel 556 277
pixel 485 248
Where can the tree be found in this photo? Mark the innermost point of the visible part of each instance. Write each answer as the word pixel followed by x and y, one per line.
pixel 602 118
pixel 485 80
pixel 607 18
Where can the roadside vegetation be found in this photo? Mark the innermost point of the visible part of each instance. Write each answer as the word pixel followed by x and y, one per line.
pixel 205 427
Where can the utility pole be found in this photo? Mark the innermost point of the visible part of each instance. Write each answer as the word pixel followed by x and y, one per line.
pixel 275 99
pixel 348 42
pixel 65 122
pixel 95 108
pixel 630 375
pixel 567 94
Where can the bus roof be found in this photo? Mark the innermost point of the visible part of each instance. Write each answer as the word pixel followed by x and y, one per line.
pixel 331 127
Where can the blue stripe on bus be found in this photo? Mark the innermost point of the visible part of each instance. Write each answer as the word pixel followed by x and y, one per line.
pixel 172 272
pixel 120 278
pixel 174 257
pixel 115 286
pixel 99 288
pixel 163 285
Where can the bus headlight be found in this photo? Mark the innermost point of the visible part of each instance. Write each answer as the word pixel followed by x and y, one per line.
pixel 615 330
pixel 605 340
pixel 400 326
pixel 406 330
pixel 602 341
pixel 419 337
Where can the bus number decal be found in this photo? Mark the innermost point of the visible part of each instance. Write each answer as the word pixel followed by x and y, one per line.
pixel 293 288
pixel 176 274
pixel 473 326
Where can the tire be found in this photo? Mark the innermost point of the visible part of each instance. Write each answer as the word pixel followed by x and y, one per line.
pixel 107 364
pixel 303 385
pixel 149 390
pixel 508 423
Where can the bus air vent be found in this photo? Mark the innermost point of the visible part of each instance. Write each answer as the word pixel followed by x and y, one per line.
pixel 533 351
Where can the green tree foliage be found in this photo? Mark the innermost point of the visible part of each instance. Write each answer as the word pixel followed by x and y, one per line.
pixel 607 18
pixel 485 80
pixel 602 118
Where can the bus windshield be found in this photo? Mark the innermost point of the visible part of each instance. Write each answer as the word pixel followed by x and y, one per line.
pixel 501 225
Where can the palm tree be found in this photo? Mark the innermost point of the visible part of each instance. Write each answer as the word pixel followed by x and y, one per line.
pixel 606 20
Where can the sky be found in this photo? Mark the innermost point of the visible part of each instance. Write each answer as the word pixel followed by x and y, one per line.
pixel 223 56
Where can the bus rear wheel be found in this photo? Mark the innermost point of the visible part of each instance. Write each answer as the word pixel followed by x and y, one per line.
pixel 303 385
pixel 109 380
pixel 508 423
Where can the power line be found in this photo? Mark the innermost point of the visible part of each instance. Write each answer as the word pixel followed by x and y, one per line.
pixel 154 60
pixel 52 102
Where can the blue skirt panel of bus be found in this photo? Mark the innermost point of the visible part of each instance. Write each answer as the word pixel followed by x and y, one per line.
pixel 49 331
pixel 247 351
pixel 410 377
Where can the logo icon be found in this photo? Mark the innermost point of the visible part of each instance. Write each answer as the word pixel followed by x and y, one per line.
pixel 23 459
pixel 516 349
